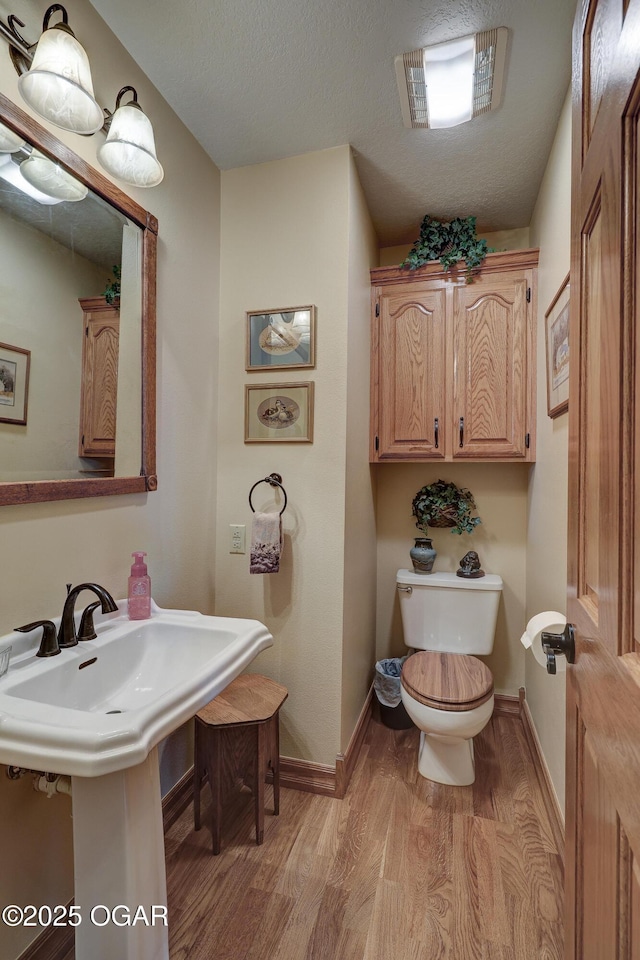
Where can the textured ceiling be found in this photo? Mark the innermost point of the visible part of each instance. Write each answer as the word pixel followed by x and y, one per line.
pixel 258 80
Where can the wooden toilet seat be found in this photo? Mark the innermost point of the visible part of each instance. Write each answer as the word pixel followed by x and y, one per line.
pixel 447 681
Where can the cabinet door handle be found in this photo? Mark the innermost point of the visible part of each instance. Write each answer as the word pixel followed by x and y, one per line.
pixel 436 430
pixel 461 429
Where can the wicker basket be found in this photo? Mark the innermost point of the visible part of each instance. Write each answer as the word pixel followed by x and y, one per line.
pixel 447 518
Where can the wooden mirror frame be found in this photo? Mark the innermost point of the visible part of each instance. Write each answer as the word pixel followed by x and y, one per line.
pixel 40 490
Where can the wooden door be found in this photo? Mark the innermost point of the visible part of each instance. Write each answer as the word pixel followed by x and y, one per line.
pixel 409 374
pixel 99 378
pixel 603 686
pixel 491 361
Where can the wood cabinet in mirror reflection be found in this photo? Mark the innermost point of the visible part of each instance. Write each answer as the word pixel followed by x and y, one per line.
pixel 99 394
pixel 105 349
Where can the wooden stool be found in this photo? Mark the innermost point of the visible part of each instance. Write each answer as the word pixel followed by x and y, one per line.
pixel 237 737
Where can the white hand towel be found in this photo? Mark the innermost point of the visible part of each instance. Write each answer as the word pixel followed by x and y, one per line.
pixel 266 543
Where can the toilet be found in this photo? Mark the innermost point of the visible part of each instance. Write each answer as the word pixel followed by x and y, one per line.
pixel 448 692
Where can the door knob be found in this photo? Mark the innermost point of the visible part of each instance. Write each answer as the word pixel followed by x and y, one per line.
pixel 564 643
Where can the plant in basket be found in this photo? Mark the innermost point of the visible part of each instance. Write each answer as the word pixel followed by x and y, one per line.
pixel 450 243
pixel 444 504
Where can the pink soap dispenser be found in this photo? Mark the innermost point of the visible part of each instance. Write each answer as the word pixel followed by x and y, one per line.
pixel 139 589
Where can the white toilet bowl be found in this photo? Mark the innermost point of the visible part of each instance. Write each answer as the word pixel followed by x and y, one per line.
pixel 446 690
pixel 450 699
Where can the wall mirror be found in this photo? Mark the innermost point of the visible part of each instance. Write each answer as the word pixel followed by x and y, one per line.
pixel 77 324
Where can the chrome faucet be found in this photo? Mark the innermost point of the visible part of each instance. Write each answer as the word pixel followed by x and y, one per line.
pixel 67 633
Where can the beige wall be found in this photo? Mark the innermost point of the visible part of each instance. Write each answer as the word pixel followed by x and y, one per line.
pixel 500 492
pixel 42 281
pixel 288 228
pixel 547 526
pixel 359 624
pixel 50 544
pixel 128 408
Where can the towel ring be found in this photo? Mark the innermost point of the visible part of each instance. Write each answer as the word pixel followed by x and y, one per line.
pixel 274 480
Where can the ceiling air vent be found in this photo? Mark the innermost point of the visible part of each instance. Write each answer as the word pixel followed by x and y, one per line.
pixel 450 83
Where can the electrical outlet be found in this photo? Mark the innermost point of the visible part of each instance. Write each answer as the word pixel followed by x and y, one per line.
pixel 237 538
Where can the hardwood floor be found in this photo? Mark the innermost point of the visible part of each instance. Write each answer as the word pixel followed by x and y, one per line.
pixel 401 869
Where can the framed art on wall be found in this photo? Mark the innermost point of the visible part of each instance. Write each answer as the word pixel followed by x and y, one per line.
pixel 278 412
pixel 281 338
pixel 14 384
pixel 556 323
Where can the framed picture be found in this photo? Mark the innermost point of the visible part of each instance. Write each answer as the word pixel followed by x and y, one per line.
pixel 278 412
pixel 14 383
pixel 556 321
pixel 281 338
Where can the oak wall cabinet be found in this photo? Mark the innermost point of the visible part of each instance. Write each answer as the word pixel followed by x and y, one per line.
pixel 453 371
pixel 99 378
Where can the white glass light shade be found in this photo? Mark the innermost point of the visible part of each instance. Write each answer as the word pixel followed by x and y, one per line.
pixel 448 69
pixel 10 142
pixel 58 86
pixel 129 152
pixel 48 177
pixel 10 172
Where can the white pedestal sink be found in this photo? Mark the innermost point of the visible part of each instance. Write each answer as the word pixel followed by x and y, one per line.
pixel 97 712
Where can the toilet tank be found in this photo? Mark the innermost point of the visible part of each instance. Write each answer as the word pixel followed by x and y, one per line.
pixel 441 611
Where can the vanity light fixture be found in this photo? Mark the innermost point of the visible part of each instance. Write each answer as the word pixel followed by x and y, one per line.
pixel 10 141
pixel 27 168
pixel 58 83
pixel 55 80
pixel 51 179
pixel 453 82
pixel 129 152
pixel 10 171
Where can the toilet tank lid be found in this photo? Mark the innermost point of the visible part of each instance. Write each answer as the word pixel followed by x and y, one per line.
pixel 490 581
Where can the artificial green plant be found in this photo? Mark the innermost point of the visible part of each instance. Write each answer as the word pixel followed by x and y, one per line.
pixel 444 504
pixel 449 243
pixel 112 289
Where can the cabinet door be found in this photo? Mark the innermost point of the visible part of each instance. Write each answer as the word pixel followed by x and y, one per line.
pixel 490 373
pixel 99 383
pixel 410 371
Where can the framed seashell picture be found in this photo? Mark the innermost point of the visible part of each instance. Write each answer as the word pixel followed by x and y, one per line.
pixel 281 338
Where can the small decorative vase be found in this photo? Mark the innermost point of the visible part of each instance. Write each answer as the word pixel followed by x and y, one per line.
pixel 422 555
